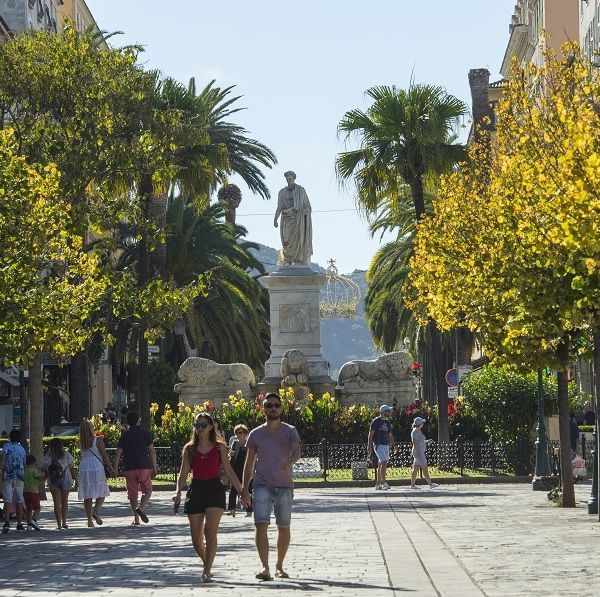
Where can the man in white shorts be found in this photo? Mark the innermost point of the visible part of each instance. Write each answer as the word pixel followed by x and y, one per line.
pixel 380 438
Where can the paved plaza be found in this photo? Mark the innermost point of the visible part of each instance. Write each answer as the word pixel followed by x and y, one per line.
pixel 456 540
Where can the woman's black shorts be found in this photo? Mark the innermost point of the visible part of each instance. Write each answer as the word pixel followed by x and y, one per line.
pixel 204 494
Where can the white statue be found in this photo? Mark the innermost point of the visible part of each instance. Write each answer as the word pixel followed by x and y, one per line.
pixel 296 223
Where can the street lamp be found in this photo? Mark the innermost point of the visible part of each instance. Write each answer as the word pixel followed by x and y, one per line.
pixel 542 466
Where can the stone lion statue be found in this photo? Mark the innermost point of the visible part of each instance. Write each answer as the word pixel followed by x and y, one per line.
pixel 294 368
pixel 199 372
pixel 393 366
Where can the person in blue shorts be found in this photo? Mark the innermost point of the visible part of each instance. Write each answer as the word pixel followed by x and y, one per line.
pixel 380 438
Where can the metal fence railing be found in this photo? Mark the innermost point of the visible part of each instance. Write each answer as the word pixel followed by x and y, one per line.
pixel 332 462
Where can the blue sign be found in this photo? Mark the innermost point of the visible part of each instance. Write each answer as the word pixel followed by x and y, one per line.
pixel 452 378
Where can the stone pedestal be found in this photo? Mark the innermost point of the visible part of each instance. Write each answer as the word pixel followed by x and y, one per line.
pixel 377 392
pixel 294 297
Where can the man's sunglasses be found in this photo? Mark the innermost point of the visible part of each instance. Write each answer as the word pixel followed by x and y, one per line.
pixel 270 405
pixel 201 425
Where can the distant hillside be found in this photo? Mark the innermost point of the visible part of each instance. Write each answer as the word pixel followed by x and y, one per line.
pixel 342 339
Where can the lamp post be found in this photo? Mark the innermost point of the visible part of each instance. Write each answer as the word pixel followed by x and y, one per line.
pixel 542 466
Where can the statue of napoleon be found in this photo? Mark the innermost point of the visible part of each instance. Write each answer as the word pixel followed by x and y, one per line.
pixel 296 223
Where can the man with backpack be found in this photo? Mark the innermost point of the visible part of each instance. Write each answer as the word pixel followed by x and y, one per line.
pixel 12 460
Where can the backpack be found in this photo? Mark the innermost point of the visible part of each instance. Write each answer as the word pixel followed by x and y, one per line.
pixel 55 472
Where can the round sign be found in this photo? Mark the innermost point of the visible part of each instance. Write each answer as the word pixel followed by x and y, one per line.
pixel 452 377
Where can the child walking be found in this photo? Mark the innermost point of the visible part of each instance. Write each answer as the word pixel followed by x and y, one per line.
pixel 31 492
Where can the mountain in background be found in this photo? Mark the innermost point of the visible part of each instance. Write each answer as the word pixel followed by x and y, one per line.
pixel 343 339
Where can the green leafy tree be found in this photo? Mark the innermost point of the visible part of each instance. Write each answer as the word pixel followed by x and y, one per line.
pixel 531 288
pixel 83 109
pixel 405 139
pixel 51 287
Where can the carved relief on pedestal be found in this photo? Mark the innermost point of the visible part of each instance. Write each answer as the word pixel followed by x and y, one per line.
pixel 294 318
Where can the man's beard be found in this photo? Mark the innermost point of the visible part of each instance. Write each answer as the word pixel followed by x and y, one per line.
pixel 273 416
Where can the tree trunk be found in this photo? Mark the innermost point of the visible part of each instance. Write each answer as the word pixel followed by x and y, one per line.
pixel 418 196
pixel 80 388
pixel 439 365
pixel 566 467
pixel 596 382
pixel 157 214
pixel 36 409
pixel 143 388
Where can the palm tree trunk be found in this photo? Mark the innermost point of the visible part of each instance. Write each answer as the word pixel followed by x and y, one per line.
pixel 36 408
pixel 418 196
pixel 157 214
pixel 566 467
pixel 146 187
pixel 80 387
pixel 439 365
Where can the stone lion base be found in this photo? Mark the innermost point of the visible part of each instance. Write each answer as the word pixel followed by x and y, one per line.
pixel 191 396
pixel 375 393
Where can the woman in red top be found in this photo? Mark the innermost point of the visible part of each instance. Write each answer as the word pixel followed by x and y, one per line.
pixel 203 456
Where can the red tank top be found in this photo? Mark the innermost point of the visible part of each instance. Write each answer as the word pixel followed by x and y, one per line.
pixel 206 466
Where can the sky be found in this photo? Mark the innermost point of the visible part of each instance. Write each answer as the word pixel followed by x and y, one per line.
pixel 299 67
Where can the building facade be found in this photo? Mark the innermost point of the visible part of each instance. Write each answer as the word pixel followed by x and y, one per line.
pixel 536 24
pixel 4 28
pixel 78 13
pixel 30 15
pixel 589 28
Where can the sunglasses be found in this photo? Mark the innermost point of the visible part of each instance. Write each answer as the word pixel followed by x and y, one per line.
pixel 240 433
pixel 270 405
pixel 201 425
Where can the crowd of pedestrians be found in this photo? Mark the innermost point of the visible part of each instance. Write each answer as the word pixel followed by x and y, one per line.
pixel 258 466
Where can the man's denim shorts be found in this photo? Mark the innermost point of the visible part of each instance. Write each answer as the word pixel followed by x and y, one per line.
pixel 383 452
pixel 265 498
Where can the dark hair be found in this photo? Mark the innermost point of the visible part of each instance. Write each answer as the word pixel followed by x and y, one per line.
pixel 30 459
pixel 272 395
pixel 55 448
pixel 15 435
pixel 132 418
pixel 191 446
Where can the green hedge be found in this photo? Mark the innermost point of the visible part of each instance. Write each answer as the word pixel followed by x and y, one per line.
pixel 586 428
pixel 70 442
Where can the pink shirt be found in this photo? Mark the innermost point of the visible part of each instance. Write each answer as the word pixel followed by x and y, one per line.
pixel 272 449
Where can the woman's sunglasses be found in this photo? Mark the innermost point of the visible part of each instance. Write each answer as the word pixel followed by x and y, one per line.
pixel 270 405
pixel 201 425
pixel 240 433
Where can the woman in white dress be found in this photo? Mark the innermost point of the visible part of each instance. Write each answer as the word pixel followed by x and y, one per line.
pixel 92 478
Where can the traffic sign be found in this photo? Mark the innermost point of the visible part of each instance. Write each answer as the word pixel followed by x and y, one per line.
pixel 452 378
pixel 452 393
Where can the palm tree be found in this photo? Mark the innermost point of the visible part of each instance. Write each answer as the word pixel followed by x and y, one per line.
pixel 231 323
pixel 406 138
pixel 206 149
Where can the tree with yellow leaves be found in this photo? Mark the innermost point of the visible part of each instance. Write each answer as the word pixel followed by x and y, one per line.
pixel 513 251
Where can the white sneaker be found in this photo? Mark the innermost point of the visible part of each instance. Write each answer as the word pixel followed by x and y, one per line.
pixel 377 487
pixel 415 487
pixel 385 486
pixel 433 486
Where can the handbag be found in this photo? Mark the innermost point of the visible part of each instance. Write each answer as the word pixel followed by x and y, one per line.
pixel 106 471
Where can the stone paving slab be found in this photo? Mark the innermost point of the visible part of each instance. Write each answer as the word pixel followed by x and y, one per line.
pixel 455 540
